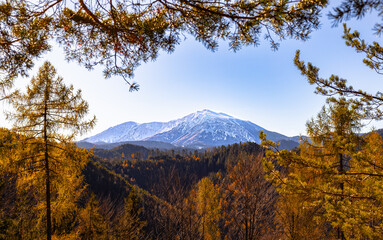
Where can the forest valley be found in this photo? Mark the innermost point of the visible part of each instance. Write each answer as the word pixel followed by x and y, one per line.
pixel 330 187
pixel 218 194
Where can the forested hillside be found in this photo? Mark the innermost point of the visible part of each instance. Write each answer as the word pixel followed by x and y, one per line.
pixel 163 193
pixel 153 194
pixel 171 181
pixel 158 166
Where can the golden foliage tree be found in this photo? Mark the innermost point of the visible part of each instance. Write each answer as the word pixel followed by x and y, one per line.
pixel 336 172
pixel 48 116
pixel 208 208
pixel 296 220
pixel 129 225
pixel 92 224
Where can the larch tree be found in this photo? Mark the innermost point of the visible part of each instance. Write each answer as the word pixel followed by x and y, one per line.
pixel 92 224
pixel 359 170
pixel 129 226
pixel 208 207
pixel 333 173
pixel 296 220
pixel 48 116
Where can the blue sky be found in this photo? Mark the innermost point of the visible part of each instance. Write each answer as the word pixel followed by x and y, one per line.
pixel 255 83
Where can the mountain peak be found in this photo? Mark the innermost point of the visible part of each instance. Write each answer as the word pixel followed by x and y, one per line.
pixel 211 114
pixel 205 111
pixel 201 128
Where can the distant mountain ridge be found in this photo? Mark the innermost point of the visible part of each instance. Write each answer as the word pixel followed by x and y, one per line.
pixel 147 144
pixel 197 130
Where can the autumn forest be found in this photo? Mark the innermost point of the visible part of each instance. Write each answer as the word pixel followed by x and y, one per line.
pixel 329 187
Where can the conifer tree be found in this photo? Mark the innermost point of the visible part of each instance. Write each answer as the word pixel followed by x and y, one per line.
pixel 335 86
pixel 122 34
pixel 334 172
pixel 92 224
pixel 130 226
pixel 296 220
pixel 208 207
pixel 48 116
pixel 360 171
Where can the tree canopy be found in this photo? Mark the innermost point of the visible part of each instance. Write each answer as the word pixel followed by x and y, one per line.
pixel 335 86
pixel 48 117
pixel 122 34
pixel 336 175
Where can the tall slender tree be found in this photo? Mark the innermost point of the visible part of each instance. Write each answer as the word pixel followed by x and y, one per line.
pixel 50 115
pixel 208 208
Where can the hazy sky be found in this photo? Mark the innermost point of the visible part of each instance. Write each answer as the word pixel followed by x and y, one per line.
pixel 255 83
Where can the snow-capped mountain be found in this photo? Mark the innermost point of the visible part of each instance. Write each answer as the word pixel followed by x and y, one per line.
pixel 200 129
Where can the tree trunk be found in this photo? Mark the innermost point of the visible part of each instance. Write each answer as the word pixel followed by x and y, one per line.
pixel 341 171
pixel 46 159
pixel 48 195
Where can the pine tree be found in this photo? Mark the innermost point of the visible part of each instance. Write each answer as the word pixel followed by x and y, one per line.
pixel 122 34
pixel 48 116
pixel 335 86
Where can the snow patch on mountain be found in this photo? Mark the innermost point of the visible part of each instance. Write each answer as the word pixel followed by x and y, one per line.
pixel 202 128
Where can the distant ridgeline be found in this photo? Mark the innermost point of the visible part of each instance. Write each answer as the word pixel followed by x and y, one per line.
pixel 198 130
